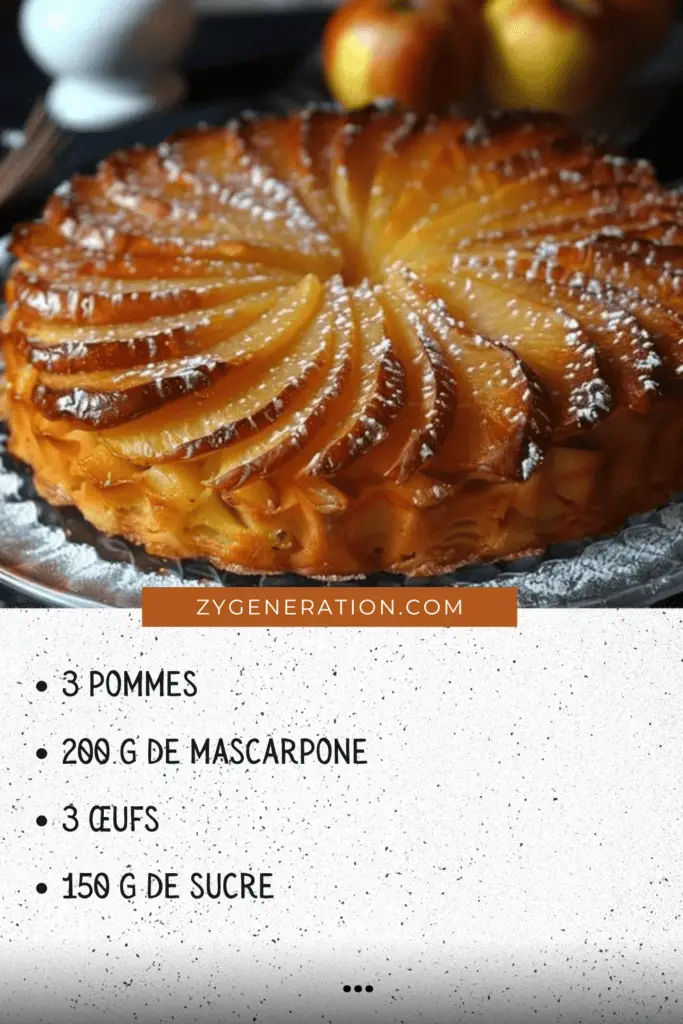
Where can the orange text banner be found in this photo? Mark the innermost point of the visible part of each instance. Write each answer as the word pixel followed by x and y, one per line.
pixel 322 606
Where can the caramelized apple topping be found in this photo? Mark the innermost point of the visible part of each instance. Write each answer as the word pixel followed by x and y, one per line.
pixel 379 298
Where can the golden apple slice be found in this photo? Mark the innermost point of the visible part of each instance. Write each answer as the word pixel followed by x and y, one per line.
pixel 626 349
pixel 654 270
pixel 327 158
pixel 501 426
pixel 317 134
pixel 276 142
pixel 45 251
pixel 559 251
pixel 273 140
pixel 405 158
pixel 291 436
pixel 550 342
pixel 83 350
pixel 665 325
pixel 241 405
pixel 100 381
pixel 193 158
pixel 355 154
pixel 105 400
pixel 237 417
pixel 97 300
pixel 377 387
pixel 433 176
pixel 430 402
pixel 298 149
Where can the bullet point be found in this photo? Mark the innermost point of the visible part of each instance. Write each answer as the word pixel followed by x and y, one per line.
pixel 41 687
pixel 41 888
pixel 41 820
pixel 41 752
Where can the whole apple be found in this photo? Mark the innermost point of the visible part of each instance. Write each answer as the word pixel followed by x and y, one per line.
pixel 563 55
pixel 423 54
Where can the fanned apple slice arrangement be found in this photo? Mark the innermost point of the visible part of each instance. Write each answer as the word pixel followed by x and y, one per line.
pixel 288 343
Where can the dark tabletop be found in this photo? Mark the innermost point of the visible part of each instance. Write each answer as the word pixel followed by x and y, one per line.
pixel 234 63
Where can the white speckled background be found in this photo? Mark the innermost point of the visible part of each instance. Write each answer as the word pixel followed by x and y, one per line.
pixel 511 853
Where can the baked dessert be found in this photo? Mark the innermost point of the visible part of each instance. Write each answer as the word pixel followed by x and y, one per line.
pixel 336 344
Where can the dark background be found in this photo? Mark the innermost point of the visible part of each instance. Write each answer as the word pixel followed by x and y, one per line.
pixel 8 13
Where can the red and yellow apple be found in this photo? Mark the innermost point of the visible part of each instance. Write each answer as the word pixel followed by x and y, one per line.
pixel 564 54
pixel 423 54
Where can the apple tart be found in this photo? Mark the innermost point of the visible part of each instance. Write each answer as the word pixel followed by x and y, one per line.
pixel 334 344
